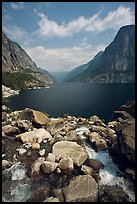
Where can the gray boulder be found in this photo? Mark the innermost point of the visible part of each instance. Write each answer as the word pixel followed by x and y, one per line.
pixel 70 149
pixel 82 188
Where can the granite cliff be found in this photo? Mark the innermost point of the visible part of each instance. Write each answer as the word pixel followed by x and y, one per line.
pixel 115 65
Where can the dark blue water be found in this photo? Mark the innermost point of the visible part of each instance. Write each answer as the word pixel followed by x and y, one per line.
pixel 78 99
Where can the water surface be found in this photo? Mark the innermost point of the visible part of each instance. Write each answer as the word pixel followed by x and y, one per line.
pixel 77 99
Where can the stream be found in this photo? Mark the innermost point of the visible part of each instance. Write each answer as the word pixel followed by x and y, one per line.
pixel 17 187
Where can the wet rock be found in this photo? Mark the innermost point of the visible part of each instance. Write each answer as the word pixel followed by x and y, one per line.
pixel 49 167
pixel 36 117
pixel 42 152
pixel 35 168
pixel 70 149
pixel 40 194
pixel 37 135
pixel 51 199
pixel 81 188
pixel 88 170
pixel 97 141
pixel 95 164
pixel 112 194
pixel 131 173
pixel 123 149
pixel 10 130
pixel 58 194
pixel 55 125
pixel 50 157
pixel 5 164
pixel 66 163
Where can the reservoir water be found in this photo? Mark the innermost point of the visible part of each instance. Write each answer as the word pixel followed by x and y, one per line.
pixel 77 99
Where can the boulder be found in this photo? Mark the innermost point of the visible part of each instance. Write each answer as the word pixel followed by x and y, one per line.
pixel 88 170
pixel 129 107
pixel 58 194
pixel 22 151
pixel 98 142
pixel 5 164
pixel 40 194
pixel 122 114
pixel 35 168
pixel 127 142
pixel 66 163
pixel 57 137
pixel 70 149
pixel 36 117
pixel 81 188
pixel 42 152
pixel 55 125
pixel 95 164
pixel 51 199
pixel 97 128
pixel 50 157
pixel 35 145
pixel 73 136
pixel 10 130
pixel 24 125
pixel 112 194
pixel 49 167
pixel 37 135
pixel 4 116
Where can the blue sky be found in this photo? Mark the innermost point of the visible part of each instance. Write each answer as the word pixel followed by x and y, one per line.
pixel 59 36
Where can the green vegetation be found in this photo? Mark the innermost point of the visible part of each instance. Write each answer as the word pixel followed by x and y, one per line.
pixel 19 80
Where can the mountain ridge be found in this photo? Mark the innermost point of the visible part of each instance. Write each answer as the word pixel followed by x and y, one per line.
pixel 116 64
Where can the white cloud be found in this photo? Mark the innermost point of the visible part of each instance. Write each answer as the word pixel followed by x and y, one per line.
pixel 17 34
pixel 63 59
pixel 17 6
pixel 114 19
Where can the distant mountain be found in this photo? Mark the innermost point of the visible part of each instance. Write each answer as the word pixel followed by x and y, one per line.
pixel 116 64
pixel 82 69
pixel 18 69
pixel 59 76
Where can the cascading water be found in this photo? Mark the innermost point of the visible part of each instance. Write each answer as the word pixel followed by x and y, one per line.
pixel 19 189
pixel 110 175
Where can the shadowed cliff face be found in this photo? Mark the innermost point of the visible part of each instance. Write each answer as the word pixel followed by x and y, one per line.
pixel 116 64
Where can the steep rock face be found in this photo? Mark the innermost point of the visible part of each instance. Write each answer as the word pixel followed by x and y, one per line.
pixel 14 58
pixel 16 64
pixel 116 64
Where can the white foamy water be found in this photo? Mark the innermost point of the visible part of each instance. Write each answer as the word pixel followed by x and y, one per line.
pixel 17 170
pixel 110 174
pixel 20 193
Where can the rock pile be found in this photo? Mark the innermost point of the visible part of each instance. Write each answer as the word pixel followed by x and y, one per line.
pixel 51 149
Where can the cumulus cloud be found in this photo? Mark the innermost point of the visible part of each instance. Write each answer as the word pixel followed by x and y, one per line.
pixel 114 19
pixel 18 5
pixel 17 34
pixel 63 59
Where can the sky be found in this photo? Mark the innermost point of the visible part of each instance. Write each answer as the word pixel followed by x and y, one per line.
pixel 59 36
